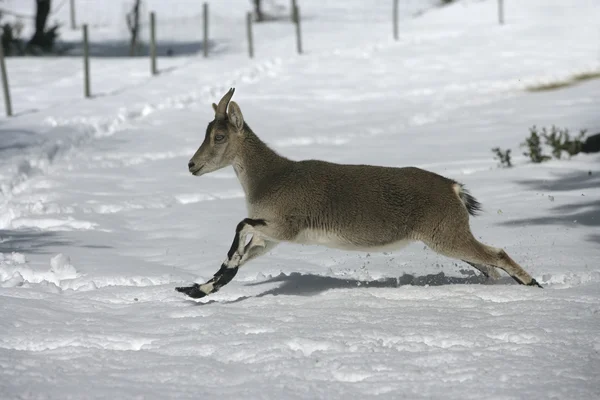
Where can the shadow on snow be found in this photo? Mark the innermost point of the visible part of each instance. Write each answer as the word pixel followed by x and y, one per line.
pixel 16 140
pixel 586 213
pixel 120 48
pixel 565 182
pixel 29 241
pixel 33 241
pixel 297 284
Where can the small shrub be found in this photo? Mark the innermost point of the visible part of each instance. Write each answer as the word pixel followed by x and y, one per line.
pixel 533 144
pixel 14 44
pixel 45 42
pixel 560 140
pixel 575 146
pixel 10 35
pixel 503 157
pixel 557 139
pixel 554 140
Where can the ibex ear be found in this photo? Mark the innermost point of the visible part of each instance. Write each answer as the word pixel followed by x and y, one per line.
pixel 235 116
pixel 214 107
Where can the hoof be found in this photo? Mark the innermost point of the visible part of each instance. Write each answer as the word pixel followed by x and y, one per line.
pixel 192 291
pixel 535 283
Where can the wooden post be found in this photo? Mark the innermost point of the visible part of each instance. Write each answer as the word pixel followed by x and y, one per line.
pixel 293 8
pixel 395 17
pixel 205 40
pixel 501 12
pixel 7 104
pixel 72 12
pixel 249 31
pixel 298 29
pixel 153 69
pixel 86 63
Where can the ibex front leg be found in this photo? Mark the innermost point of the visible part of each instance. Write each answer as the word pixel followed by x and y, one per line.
pixel 238 254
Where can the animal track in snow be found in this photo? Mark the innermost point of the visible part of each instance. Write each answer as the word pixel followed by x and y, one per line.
pixel 15 271
pixel 53 224
pixel 88 128
pixel 309 346
pixel 94 341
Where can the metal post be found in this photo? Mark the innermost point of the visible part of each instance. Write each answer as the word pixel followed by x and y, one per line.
pixel 501 12
pixel 7 103
pixel 72 12
pixel 205 41
pixel 153 69
pixel 86 63
pixel 395 17
pixel 298 30
pixel 249 31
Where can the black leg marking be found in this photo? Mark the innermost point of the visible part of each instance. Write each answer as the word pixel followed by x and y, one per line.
pixel 255 222
pixel 534 283
pixel 224 275
pixel 238 229
pixel 220 279
pixel 192 291
pixel 235 244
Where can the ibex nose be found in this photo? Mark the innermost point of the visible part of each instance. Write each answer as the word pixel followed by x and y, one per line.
pixel 191 165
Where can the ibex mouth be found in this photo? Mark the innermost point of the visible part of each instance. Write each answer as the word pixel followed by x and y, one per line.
pixel 195 172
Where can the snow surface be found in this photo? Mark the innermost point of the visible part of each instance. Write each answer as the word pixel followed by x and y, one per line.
pixel 100 220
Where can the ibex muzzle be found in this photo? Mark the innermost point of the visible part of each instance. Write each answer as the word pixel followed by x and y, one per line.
pixel 352 207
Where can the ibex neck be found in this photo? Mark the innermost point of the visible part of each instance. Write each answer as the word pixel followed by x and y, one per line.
pixel 256 164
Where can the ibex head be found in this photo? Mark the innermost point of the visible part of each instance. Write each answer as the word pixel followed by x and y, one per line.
pixel 222 139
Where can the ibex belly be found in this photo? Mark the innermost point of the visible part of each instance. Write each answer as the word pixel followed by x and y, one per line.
pixel 333 240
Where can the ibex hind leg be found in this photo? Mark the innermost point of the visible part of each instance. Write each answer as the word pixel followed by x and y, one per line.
pixel 503 261
pixel 487 271
pixel 472 251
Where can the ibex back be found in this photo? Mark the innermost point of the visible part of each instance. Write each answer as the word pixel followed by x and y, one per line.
pixel 352 207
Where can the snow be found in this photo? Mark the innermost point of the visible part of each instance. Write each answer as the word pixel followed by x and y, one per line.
pixel 100 219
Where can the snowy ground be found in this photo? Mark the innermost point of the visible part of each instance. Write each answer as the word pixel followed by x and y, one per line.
pixel 100 220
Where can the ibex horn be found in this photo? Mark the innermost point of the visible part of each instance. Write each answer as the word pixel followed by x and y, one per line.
pixel 222 107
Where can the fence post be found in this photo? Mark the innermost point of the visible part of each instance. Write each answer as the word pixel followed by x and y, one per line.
pixel 205 40
pixel 395 17
pixel 293 8
pixel 501 12
pixel 249 31
pixel 86 63
pixel 153 69
pixel 7 104
pixel 72 12
pixel 298 29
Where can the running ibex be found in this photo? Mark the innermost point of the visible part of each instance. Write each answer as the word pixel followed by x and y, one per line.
pixel 351 207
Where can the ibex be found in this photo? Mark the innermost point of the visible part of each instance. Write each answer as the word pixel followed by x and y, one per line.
pixel 350 207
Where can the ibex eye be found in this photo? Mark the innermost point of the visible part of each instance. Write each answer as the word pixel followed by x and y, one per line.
pixel 219 138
